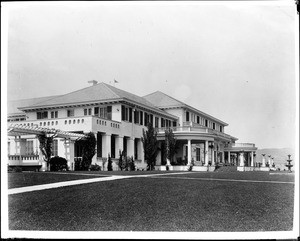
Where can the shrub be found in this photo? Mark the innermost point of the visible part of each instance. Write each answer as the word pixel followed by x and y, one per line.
pixel 131 164
pixel 58 164
pixel 109 164
pixel 95 167
pixel 9 168
pixel 17 169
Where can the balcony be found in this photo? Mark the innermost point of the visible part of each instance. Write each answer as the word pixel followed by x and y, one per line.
pixel 194 128
pixel 242 145
pixel 80 123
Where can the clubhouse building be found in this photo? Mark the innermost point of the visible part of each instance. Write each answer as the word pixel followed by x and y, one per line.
pixel 117 118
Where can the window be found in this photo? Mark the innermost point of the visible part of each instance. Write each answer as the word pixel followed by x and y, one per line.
pixel 87 111
pixel 187 116
pixel 156 122
pixel 221 128
pixel 146 119
pixel 96 111
pixel 206 123
pixel 55 148
pixel 130 114
pixel 125 116
pixel 42 115
pixel 198 119
pixel 108 112
pixel 123 113
pixel 136 117
pixel 174 123
pixel 141 117
pixel 162 122
pixel 70 113
pixel 151 119
pixel 54 114
pixel 29 148
pixel 214 126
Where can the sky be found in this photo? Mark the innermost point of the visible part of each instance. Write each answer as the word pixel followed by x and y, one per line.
pixel 234 61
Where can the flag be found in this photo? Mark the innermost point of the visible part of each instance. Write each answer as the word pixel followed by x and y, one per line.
pixel 115 81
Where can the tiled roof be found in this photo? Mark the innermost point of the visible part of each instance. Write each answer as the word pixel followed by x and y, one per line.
pixel 12 106
pixel 164 101
pixel 97 93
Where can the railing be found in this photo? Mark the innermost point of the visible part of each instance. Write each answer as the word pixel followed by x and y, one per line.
pixel 74 122
pixel 23 157
pixel 242 145
pixel 193 127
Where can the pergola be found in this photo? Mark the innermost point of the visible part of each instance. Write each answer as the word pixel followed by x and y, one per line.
pixel 19 131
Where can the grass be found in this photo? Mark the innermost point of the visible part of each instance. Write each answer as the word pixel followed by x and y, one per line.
pixel 158 204
pixel 22 179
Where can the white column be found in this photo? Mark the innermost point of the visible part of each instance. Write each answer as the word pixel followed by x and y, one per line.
pixel 252 160
pixel 229 161
pixel 130 146
pixel 189 154
pixel 241 157
pixel 106 144
pixel 69 154
pixel 263 160
pixel 223 157
pixel 141 151
pixel 206 153
pixel 212 157
pixel 119 145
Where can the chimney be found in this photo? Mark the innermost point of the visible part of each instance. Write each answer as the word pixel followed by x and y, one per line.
pixel 94 82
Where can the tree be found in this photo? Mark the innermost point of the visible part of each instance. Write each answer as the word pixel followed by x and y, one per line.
pixel 88 151
pixel 170 145
pixel 46 143
pixel 150 144
pixel 109 164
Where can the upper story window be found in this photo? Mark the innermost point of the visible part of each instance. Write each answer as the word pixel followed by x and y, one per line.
pixel 162 122
pixel 42 115
pixel 136 117
pixel 96 111
pixel 156 122
pixel 221 128
pixel 126 113
pixel 206 123
pixel 214 126
pixel 54 114
pixel 141 117
pixel 198 119
pixel 87 111
pixel 187 116
pixel 70 113
pixel 174 123
pixel 103 112
pixel 146 119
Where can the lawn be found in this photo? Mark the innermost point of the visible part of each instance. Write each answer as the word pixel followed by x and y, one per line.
pixel 163 203
pixel 22 179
